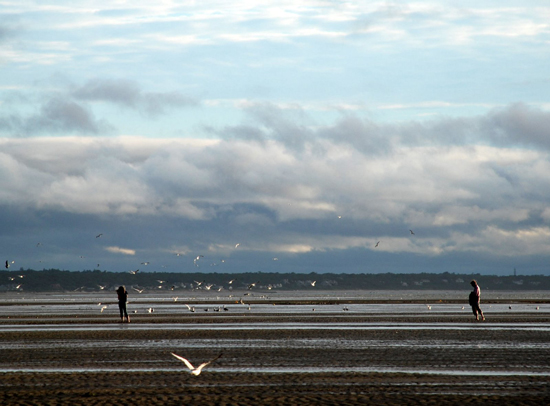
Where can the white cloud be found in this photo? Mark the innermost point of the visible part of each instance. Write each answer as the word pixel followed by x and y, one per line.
pixel 118 250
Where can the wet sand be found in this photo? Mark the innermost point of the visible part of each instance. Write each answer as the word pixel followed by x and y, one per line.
pixel 98 361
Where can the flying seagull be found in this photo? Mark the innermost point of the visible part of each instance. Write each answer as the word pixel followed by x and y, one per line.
pixel 376 246
pixel 412 232
pixel 195 371
pixel 134 272
pixel 99 235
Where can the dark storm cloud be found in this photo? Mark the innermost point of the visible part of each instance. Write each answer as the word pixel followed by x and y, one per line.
pixel 364 135
pixel 518 124
pixel 128 94
pixel 267 121
pixel 56 116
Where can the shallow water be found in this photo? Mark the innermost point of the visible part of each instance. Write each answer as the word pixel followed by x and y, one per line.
pixel 43 309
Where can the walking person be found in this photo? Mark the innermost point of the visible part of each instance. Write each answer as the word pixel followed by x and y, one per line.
pixel 122 299
pixel 474 299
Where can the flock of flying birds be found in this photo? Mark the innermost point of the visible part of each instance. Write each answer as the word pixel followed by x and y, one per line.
pixel 145 263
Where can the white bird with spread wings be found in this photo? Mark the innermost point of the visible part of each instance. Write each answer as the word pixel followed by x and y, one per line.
pixel 195 371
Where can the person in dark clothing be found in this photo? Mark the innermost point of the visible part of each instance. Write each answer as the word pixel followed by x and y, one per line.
pixel 475 297
pixel 122 299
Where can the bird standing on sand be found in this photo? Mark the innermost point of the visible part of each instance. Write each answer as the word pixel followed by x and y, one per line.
pixel 195 371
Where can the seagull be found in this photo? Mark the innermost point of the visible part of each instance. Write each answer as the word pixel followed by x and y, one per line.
pixel 313 283
pixel 150 310
pixel 145 263
pixel 191 309
pixel 103 308
pixel 134 272
pixel 412 232
pixel 236 245
pixel 7 264
pixel 376 246
pixel 101 287
pixel 231 281
pixel 195 371
pixel 99 235
pixel 138 290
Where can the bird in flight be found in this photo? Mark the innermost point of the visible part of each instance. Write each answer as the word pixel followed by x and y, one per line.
pixel 236 245
pixel 195 371
pixel 412 232
pixel 376 246
pixel 99 235
pixel 134 272
pixel 138 290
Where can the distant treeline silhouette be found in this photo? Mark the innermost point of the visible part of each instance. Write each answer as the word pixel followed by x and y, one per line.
pixel 96 280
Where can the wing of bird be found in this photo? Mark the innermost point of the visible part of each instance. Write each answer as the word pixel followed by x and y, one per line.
pixel 201 366
pixel 189 365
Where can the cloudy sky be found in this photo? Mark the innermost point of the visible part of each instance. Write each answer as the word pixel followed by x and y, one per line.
pixel 306 132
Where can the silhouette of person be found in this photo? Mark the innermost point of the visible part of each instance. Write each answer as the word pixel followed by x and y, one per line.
pixel 474 299
pixel 122 299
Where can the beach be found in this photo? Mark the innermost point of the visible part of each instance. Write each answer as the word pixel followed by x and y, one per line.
pixel 301 354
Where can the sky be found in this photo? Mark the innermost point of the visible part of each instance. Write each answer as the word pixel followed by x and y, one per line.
pixel 287 136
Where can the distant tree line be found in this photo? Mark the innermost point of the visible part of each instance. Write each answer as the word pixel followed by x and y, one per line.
pixel 53 280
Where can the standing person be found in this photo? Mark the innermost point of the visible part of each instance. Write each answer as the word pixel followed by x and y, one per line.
pixel 122 299
pixel 475 297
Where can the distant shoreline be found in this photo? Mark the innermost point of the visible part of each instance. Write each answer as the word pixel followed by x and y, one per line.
pixel 55 280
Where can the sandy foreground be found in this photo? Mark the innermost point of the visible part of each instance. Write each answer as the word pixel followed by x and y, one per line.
pixel 425 360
